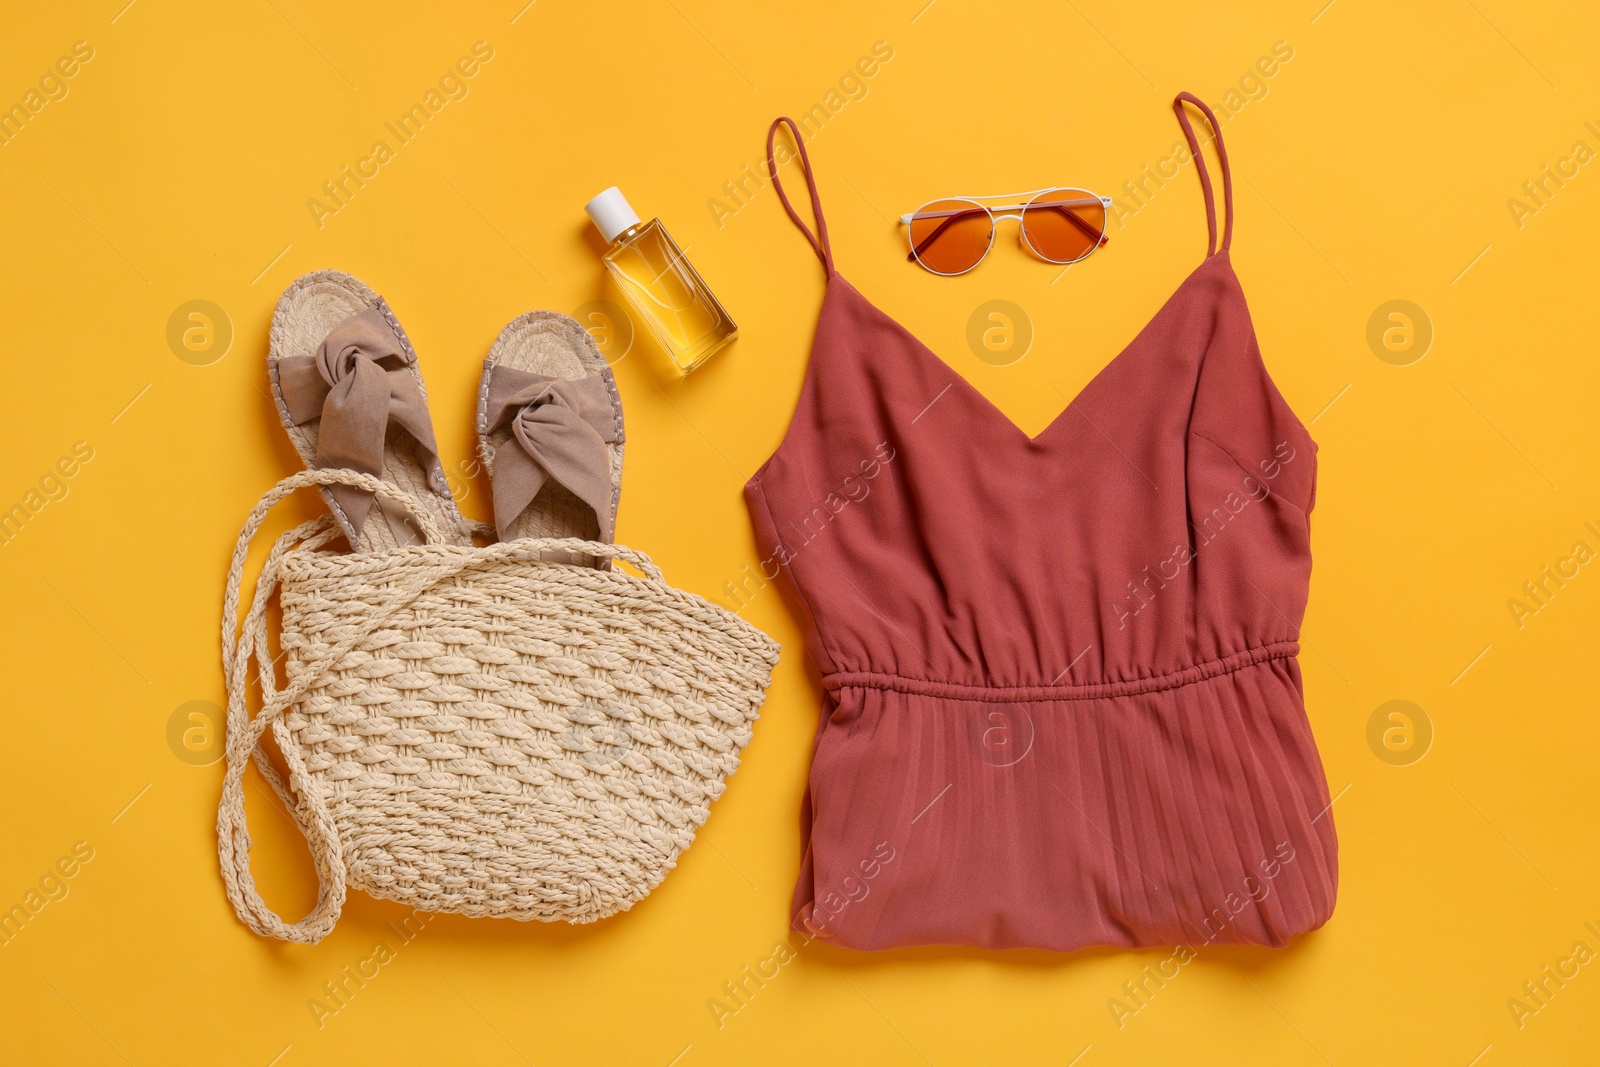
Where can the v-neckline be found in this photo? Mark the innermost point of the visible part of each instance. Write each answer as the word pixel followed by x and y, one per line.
pixel 959 380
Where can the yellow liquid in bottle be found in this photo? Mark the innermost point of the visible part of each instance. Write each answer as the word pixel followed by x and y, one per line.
pixel 668 294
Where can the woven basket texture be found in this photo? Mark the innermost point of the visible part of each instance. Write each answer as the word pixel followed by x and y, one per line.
pixel 488 733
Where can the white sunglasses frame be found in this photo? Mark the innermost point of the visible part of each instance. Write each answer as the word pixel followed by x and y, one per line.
pixel 1000 211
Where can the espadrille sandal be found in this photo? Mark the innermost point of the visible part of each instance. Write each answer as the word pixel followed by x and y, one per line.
pixel 348 389
pixel 550 429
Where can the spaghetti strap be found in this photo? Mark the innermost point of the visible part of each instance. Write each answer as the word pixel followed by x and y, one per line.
pixel 819 240
pixel 1212 248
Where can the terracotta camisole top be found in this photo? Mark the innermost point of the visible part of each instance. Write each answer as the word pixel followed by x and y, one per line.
pixel 1061 701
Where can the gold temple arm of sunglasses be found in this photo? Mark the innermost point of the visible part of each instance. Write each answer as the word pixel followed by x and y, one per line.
pixel 1103 201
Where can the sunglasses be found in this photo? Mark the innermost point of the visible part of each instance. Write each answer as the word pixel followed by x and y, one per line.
pixel 1059 225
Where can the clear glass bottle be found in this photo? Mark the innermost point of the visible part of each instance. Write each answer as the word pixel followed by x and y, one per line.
pixel 660 283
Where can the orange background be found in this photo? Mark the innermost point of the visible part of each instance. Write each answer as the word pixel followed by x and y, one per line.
pixel 1377 164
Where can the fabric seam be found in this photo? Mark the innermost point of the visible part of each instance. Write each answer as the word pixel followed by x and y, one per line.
pixel 1220 447
pixel 998 694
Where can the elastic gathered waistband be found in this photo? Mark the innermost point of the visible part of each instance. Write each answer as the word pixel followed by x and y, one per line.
pixel 1020 694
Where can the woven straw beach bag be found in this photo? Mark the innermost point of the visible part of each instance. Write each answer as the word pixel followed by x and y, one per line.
pixel 476 730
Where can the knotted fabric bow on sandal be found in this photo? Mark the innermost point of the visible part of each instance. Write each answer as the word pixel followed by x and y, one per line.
pixel 550 429
pixel 561 428
pixel 350 394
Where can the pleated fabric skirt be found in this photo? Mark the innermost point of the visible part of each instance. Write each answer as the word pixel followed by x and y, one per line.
pixel 1192 812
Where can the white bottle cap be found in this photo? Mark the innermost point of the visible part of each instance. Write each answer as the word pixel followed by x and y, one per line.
pixel 610 213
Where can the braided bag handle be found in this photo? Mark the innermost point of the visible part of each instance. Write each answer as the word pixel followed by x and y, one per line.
pixel 239 646
pixel 244 734
pixel 536 546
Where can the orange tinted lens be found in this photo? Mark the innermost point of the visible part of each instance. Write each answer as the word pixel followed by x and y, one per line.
pixel 950 236
pixel 1064 225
